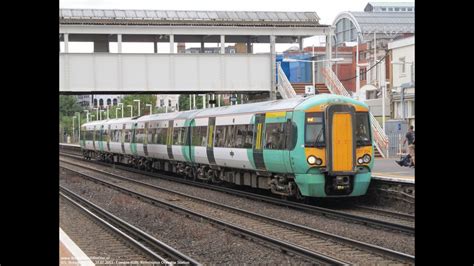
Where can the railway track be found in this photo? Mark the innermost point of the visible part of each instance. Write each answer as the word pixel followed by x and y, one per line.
pixel 123 239
pixel 404 224
pixel 316 245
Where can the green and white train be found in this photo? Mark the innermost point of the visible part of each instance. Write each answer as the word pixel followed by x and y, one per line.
pixel 319 146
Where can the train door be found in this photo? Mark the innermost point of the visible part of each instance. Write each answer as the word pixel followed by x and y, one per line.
pixel 101 143
pixel 341 139
pixel 107 136
pixel 210 140
pixel 169 139
pixel 258 141
pixel 188 149
pixel 275 152
pixel 133 144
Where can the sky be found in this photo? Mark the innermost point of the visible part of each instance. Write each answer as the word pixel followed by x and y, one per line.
pixel 326 10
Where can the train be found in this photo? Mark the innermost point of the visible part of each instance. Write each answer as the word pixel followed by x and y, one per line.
pixel 317 146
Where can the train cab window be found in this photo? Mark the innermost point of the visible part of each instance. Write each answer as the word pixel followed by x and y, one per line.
pixel 275 136
pixel 363 137
pixel 199 135
pixel 314 130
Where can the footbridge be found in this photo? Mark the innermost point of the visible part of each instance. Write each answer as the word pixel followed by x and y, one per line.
pixel 178 70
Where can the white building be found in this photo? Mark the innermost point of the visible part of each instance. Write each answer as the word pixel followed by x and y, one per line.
pixel 403 78
pixel 168 102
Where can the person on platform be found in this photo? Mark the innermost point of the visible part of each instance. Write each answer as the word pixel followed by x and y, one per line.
pixel 409 160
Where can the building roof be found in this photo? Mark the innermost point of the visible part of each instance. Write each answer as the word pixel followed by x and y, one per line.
pixel 381 22
pixel 147 17
pixel 392 4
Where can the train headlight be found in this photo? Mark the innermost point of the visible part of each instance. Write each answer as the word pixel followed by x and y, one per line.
pixel 360 161
pixel 366 158
pixel 312 159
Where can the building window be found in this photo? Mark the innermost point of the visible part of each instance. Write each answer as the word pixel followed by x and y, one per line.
pixel 390 9
pixel 101 102
pixel 402 66
pixel 109 101
pixel 162 102
pixel 410 9
pixel 169 103
pixel 397 9
pixel 384 9
pixel 115 101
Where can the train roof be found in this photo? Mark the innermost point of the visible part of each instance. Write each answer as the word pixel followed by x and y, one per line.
pixel 299 103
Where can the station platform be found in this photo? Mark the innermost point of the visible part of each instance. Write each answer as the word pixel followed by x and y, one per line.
pixel 388 169
pixel 70 253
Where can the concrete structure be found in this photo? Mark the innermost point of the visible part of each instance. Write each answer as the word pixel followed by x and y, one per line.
pixel 105 72
pixel 403 78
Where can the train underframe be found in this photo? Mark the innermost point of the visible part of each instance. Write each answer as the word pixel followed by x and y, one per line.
pixel 277 183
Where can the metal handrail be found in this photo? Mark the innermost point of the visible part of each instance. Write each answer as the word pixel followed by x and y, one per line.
pixel 286 90
pixel 336 87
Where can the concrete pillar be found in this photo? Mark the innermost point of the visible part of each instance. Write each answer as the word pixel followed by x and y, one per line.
pixel 222 44
pixel 155 45
pixel 202 45
pixel 204 101
pixel 172 43
pixel 194 101
pixel 249 46
pixel 273 68
pixel 218 100
pixel 190 103
pixel 66 42
pixel 300 43
pixel 119 43
pixel 241 98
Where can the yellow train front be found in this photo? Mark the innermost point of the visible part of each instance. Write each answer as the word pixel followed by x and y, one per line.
pixel 337 146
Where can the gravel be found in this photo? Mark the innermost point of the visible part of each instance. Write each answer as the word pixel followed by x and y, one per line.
pixel 401 242
pixel 197 239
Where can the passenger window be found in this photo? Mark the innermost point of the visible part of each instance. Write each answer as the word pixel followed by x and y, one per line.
pixel 229 138
pixel 249 137
pixel 240 134
pixel 198 135
pixel 275 136
pixel 220 136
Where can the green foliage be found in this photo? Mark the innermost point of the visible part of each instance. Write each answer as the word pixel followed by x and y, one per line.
pixel 144 99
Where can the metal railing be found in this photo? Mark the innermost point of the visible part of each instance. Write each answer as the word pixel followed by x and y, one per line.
pixel 335 86
pixel 284 86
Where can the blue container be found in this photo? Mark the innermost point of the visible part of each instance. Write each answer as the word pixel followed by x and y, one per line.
pixel 296 72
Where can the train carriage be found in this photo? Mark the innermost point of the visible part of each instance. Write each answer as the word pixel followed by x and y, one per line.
pixel 318 146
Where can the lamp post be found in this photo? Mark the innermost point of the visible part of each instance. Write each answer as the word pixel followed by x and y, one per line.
pixel 97 113
pixel 313 64
pixel 149 105
pixel 107 112
pixel 138 106
pixel 73 134
pixel 116 112
pixel 121 108
pixel 87 115
pixel 131 110
pixel 79 126
pixel 101 111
